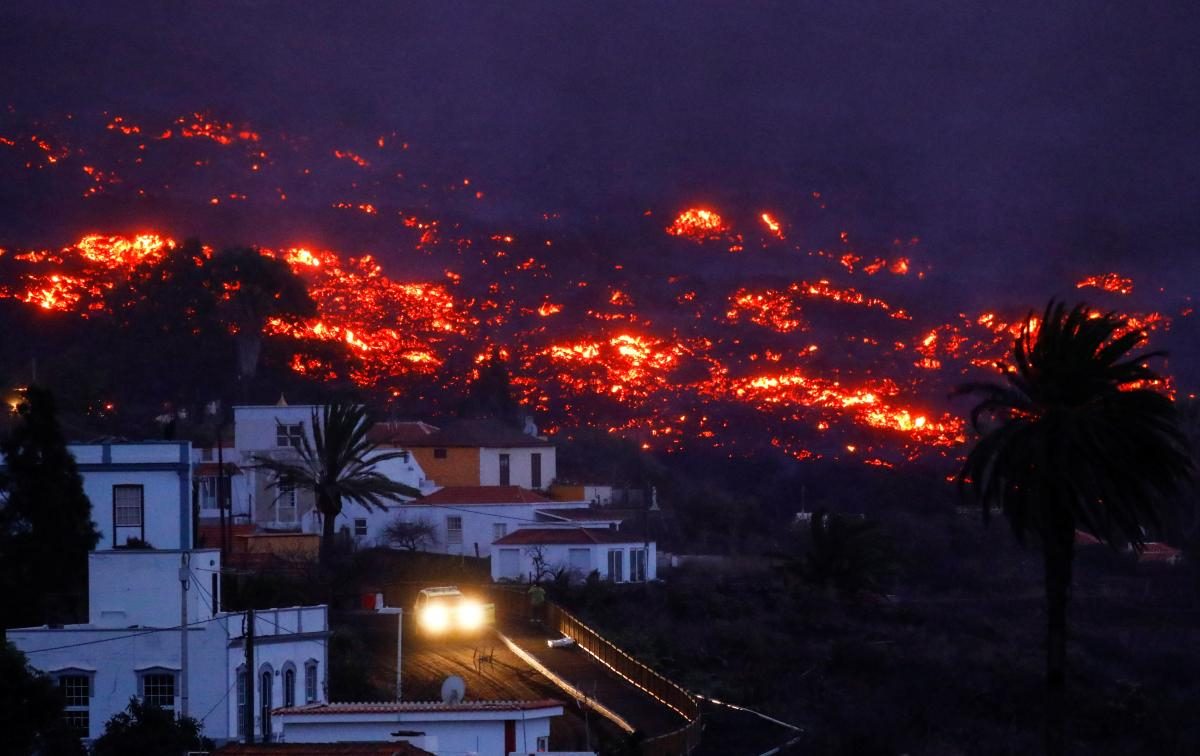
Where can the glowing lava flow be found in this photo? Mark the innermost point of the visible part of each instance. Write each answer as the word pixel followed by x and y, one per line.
pixel 698 224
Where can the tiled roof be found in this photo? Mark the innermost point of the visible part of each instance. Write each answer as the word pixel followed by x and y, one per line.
pixel 564 536
pixel 482 433
pixel 323 749
pixel 483 495
pixel 400 433
pixel 400 707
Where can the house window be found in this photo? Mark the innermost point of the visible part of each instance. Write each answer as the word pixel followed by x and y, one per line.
pixel 580 560
pixel 289 434
pixel 285 501
pixel 439 453
pixel 158 688
pixel 209 498
pixel 504 464
pixel 535 470
pixel 499 530
pixel 76 689
pixel 289 686
pixel 128 506
pixel 454 536
pixel 637 565
pixel 543 743
pixel 310 682
pixel 265 705
pixel 241 702
pixel 360 526
pixel 616 565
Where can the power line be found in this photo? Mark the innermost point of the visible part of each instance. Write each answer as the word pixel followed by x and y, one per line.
pixel 120 637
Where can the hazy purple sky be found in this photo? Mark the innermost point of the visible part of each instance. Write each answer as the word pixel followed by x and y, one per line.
pixel 1006 134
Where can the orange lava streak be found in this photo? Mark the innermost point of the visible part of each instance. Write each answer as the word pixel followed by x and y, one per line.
pixel 1108 282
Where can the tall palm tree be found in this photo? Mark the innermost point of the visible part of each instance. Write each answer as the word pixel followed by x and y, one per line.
pixel 1076 438
pixel 338 465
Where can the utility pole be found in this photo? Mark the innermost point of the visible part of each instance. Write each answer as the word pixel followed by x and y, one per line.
pixel 399 647
pixel 249 676
pixel 185 574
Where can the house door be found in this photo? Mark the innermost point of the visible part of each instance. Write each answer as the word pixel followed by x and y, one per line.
pixel 510 563
pixel 616 565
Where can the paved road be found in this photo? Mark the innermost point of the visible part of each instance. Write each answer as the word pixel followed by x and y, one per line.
pixel 427 663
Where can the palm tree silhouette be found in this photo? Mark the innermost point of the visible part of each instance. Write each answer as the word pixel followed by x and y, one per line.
pixel 338 465
pixel 1078 437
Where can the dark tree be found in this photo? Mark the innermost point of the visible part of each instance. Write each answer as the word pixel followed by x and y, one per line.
pixel 490 394
pixel 46 527
pixel 412 535
pixel 848 554
pixel 145 728
pixel 1076 438
pixel 339 465
pixel 31 710
pixel 250 289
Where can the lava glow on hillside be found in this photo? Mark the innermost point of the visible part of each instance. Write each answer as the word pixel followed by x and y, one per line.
pixel 821 348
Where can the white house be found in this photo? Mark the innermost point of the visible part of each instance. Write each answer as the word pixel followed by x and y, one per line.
pixel 277 431
pixel 132 646
pixel 482 452
pixel 468 519
pixel 617 556
pixel 139 491
pixel 481 727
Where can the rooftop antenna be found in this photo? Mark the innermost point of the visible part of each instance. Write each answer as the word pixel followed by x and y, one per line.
pixel 453 689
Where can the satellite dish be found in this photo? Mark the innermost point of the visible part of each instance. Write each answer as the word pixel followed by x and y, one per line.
pixel 453 689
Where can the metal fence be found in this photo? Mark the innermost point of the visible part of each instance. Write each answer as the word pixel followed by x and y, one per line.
pixel 676 743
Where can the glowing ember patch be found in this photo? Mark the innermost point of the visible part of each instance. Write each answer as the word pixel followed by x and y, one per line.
pixel 1108 282
pixel 698 224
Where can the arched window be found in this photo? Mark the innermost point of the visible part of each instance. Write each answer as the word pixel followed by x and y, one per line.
pixel 241 701
pixel 266 700
pixel 310 681
pixel 289 684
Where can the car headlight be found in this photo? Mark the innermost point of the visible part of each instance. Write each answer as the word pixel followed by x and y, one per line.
pixel 470 615
pixel 435 618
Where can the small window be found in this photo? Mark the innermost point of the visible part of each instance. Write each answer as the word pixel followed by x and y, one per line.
pixel 209 487
pixel 265 701
pixel 505 476
pixel 543 743
pixel 241 702
pixel 285 501
pixel 439 453
pixel 454 534
pixel 158 689
pixel 535 470
pixel 128 506
pixel 289 687
pixel 310 682
pixel 360 527
pixel 289 434
pixel 499 530
pixel 77 693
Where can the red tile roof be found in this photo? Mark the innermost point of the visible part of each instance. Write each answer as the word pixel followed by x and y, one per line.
pixel 399 707
pixel 459 495
pixel 323 749
pixel 564 536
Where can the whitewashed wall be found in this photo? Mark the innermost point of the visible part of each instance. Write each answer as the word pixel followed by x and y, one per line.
pixel 163 469
pixel 519 466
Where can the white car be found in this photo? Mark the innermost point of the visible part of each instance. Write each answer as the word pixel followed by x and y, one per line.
pixel 445 610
